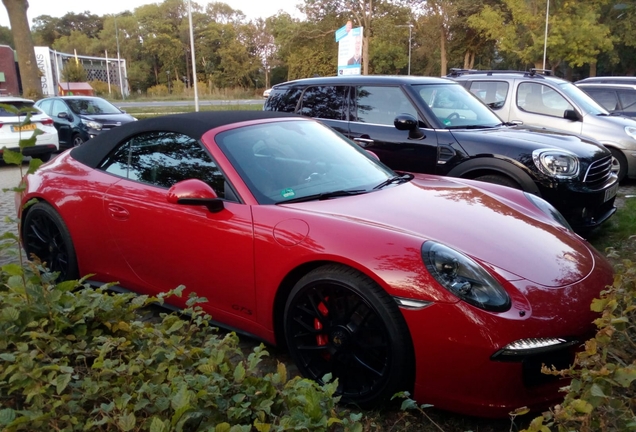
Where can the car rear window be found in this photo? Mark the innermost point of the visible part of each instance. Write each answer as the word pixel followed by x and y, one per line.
pixel 19 105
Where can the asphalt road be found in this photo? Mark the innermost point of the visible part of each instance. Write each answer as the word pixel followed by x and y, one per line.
pixel 180 103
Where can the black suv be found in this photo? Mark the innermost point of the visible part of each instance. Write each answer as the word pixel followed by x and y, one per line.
pixel 434 125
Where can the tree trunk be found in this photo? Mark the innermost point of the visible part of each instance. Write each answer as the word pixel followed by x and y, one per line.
pixel 469 60
pixel 29 72
pixel 593 69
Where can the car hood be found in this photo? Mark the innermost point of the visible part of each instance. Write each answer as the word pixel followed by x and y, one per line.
pixel 109 118
pixel 533 138
pixel 472 220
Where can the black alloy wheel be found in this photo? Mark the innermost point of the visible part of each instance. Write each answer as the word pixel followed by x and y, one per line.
pixel 45 235
pixel 339 321
pixel 77 140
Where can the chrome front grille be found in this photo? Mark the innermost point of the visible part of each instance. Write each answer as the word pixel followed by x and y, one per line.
pixel 598 171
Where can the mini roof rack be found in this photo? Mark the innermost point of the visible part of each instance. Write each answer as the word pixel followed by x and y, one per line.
pixel 455 72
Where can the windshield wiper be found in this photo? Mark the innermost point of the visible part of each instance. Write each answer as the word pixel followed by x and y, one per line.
pixel 395 180
pixel 324 196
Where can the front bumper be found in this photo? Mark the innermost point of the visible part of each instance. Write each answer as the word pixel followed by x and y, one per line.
pixel 456 347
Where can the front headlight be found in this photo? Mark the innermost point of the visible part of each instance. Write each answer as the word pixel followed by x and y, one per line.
pixel 631 131
pixel 465 278
pixel 548 209
pixel 92 124
pixel 556 163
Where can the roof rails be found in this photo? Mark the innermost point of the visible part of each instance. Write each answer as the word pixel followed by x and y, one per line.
pixel 455 72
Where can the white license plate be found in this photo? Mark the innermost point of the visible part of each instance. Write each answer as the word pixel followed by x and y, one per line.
pixel 611 192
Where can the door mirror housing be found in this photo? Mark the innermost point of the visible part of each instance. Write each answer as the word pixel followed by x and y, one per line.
pixel 195 192
pixel 64 115
pixel 409 123
pixel 571 115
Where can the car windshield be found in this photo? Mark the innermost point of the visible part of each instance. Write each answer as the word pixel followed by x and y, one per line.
pixel 300 160
pixel 18 105
pixel 455 107
pixel 585 102
pixel 93 106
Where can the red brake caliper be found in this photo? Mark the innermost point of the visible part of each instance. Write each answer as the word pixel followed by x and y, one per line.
pixel 321 339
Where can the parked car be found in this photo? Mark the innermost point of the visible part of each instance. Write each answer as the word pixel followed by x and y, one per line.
pixel 11 130
pixel 454 289
pixel 433 125
pixel 539 99
pixel 266 93
pixel 609 80
pixel 80 118
pixel 615 98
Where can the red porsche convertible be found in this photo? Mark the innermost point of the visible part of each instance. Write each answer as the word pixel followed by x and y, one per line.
pixel 455 290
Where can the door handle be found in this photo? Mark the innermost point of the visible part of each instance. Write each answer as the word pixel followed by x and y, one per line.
pixel 363 141
pixel 118 212
pixel 517 122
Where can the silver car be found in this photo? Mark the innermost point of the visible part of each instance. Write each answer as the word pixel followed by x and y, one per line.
pixel 538 99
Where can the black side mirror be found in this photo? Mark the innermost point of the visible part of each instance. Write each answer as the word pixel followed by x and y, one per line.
pixel 571 115
pixel 409 123
pixel 63 115
pixel 195 192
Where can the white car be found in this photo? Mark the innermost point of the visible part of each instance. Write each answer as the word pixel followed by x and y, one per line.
pixel 266 93
pixel 11 132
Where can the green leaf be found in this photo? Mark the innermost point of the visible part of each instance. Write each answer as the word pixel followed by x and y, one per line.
pixel 10 314
pixel 157 425
pixel 239 373
pixel 7 415
pixel 13 269
pixel 181 399
pixel 596 390
pixel 34 164
pixel 127 422
pixel 12 157
pixel 222 427
pixel 625 376
pixel 61 382
pixel 581 406
pixel 408 404
pixel 175 326
pixel 7 357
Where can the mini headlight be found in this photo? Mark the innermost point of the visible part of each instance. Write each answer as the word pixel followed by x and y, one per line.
pixel 92 124
pixel 548 209
pixel 464 277
pixel 631 131
pixel 556 163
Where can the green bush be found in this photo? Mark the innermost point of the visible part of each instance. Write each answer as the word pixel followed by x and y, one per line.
pixel 158 90
pixel 602 393
pixel 73 358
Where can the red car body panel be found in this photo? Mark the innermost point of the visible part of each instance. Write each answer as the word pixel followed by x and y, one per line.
pixel 239 259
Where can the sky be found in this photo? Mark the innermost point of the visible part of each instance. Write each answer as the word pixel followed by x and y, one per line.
pixel 251 8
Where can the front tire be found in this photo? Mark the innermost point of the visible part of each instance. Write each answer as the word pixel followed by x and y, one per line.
pixel 619 163
pixel 45 235
pixel 77 140
pixel 339 321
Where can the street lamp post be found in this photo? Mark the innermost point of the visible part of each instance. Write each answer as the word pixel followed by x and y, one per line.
pixel 194 63
pixel 121 81
pixel 410 26
pixel 545 38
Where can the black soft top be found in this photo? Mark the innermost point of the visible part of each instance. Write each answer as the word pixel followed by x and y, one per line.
pixel 193 124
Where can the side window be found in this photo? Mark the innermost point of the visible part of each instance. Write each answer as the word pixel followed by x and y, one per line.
pixel 606 99
pixel 284 100
pixel 380 105
pixel 628 99
pixel 163 159
pixel 541 99
pixel 492 93
pixel 58 107
pixel 327 102
pixel 46 106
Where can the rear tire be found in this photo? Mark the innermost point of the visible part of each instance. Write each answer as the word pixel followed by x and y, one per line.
pixel 500 180
pixel 619 163
pixel 45 157
pixel 46 236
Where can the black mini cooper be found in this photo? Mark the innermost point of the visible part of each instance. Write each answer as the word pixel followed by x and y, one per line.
pixel 434 125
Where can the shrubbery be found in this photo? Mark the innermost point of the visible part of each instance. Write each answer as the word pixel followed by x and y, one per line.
pixel 602 394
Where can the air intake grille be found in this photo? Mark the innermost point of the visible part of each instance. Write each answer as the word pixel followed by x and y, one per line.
pixel 598 171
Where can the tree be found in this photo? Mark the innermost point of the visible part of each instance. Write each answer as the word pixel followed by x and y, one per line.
pixel 29 72
pixel 73 72
pixel 6 38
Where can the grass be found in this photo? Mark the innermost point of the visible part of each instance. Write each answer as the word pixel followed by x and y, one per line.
pixel 149 111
